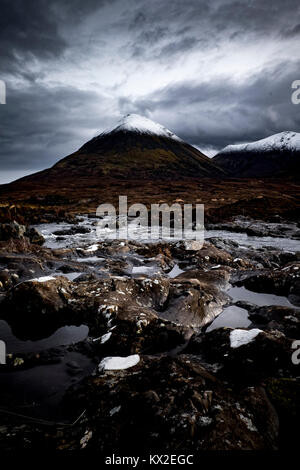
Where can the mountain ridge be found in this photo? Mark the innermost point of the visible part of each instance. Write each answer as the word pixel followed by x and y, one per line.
pixel 275 156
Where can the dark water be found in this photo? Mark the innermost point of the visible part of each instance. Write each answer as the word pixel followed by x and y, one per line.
pixel 62 337
pixel 236 317
pixel 258 298
pixel 232 317
pixel 38 391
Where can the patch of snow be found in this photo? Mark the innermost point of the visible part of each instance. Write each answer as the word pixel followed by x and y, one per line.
pixel 92 248
pixel 114 410
pixel 141 125
pixel 240 337
pixel 287 140
pixel 118 362
pixel 248 423
pixel 43 279
pixel 105 338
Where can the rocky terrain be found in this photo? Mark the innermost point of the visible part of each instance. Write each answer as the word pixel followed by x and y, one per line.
pixel 122 345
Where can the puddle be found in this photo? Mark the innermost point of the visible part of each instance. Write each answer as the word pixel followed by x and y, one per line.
pixel 175 271
pixel 144 269
pixel 62 337
pixel 232 317
pixel 91 259
pixel 258 298
pixel 70 276
pixel 37 392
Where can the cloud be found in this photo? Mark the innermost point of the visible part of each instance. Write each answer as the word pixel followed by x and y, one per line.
pixel 215 73
pixel 42 125
pixel 218 113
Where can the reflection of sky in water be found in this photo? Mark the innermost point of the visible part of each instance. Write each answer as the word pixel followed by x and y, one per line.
pixel 62 337
pixel 258 298
pixel 232 317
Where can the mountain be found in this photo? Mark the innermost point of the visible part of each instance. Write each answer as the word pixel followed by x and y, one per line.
pixel 276 156
pixel 137 148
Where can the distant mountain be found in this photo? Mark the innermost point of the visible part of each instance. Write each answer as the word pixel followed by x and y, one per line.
pixel 137 148
pixel 276 156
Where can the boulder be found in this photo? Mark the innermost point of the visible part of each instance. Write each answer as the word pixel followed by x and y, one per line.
pixel 34 236
pixel 11 230
pixel 166 403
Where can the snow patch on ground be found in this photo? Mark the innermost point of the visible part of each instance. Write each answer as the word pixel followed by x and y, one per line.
pixel 118 362
pixel 43 279
pixel 105 338
pixel 241 337
pixel 92 248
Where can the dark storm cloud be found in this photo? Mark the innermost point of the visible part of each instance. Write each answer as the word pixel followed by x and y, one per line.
pixel 70 69
pixel 42 125
pixel 295 31
pixel 31 29
pixel 209 23
pixel 219 113
pixel 27 29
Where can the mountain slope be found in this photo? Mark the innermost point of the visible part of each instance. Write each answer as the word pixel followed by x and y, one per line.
pixel 136 148
pixel 275 156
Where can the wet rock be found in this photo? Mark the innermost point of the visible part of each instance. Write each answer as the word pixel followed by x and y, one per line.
pixel 207 255
pixel 194 300
pixel 6 279
pixel 284 319
pixel 86 277
pixel 11 230
pixel 262 354
pixel 72 231
pixel 70 268
pixel 166 403
pixel 284 281
pixel 34 236
pixel 33 307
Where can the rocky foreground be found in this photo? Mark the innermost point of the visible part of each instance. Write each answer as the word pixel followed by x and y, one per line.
pixel 162 375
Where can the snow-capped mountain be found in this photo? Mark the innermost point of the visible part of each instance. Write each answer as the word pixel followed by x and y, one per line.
pixel 140 125
pixel 287 140
pixel 136 148
pixel 274 156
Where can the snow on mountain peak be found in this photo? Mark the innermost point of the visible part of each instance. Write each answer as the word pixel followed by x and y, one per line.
pixel 287 140
pixel 141 125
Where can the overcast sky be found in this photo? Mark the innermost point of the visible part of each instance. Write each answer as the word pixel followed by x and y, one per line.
pixel 214 72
